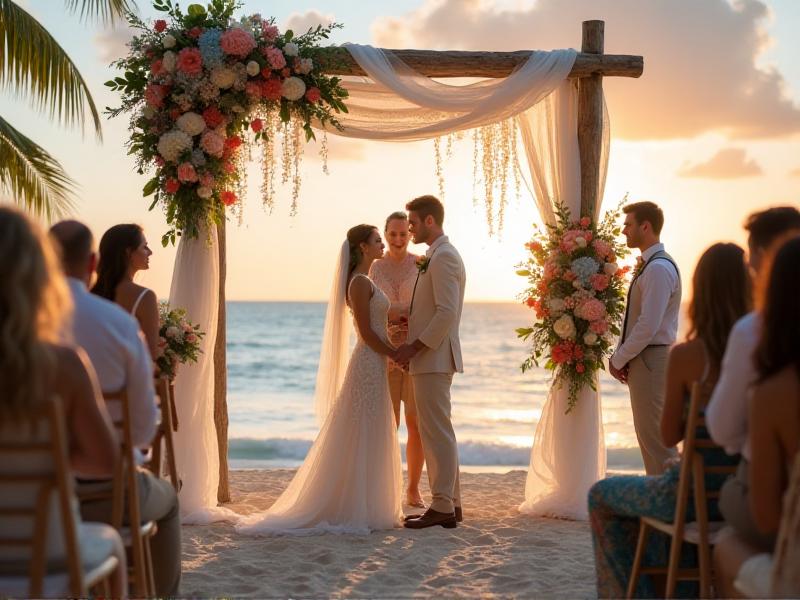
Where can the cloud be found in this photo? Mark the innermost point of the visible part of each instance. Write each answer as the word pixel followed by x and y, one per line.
pixel 111 42
pixel 728 163
pixel 700 71
pixel 302 22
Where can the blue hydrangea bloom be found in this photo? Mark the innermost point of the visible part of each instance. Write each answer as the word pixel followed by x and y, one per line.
pixel 584 268
pixel 210 49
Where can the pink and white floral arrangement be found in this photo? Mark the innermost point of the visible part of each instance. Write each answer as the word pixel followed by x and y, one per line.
pixel 178 342
pixel 576 287
pixel 198 86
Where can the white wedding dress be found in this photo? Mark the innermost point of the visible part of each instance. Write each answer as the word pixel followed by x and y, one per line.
pixel 351 480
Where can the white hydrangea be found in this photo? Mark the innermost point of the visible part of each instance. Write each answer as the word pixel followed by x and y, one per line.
pixel 169 61
pixel 564 327
pixel 291 49
pixel 174 333
pixel 590 338
pixel 223 77
pixel 168 41
pixel 293 88
pixel 306 66
pixel 172 144
pixel 253 68
pixel 610 268
pixel 204 192
pixel 191 123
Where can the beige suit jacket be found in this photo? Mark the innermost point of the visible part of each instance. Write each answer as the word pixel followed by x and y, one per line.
pixel 436 311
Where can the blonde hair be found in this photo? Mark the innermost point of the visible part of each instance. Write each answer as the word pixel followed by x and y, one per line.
pixel 34 301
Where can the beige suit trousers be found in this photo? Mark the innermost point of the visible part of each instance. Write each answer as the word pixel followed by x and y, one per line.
pixel 432 393
pixel 647 378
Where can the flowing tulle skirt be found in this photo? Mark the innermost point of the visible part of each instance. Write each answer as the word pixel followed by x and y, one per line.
pixel 351 480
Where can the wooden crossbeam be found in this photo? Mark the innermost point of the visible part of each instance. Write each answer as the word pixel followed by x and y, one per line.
pixel 465 63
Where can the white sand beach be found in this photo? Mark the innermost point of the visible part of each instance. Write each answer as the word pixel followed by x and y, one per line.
pixel 495 552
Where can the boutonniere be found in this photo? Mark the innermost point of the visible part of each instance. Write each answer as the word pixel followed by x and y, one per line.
pixel 639 267
pixel 422 263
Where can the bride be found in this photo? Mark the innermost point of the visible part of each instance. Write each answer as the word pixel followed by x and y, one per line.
pixel 351 480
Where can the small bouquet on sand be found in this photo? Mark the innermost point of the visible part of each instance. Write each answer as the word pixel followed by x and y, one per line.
pixel 178 342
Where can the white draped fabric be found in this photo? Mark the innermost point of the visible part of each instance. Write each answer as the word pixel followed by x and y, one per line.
pixel 394 102
pixel 195 287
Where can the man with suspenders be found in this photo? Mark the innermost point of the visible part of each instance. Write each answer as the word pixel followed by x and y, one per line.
pixel 649 329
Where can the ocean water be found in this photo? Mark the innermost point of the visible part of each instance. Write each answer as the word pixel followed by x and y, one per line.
pixel 273 350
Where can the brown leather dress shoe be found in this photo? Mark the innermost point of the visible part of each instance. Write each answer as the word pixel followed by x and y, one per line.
pixel 431 518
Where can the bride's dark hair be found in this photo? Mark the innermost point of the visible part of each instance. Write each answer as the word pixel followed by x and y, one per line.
pixel 355 237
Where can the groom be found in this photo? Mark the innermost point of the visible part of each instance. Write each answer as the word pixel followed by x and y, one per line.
pixel 434 355
pixel 649 329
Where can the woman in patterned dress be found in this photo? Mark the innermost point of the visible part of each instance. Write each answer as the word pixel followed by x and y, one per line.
pixel 396 274
pixel 721 295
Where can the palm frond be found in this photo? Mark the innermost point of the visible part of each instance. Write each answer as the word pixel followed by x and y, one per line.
pixel 35 179
pixel 108 11
pixel 32 62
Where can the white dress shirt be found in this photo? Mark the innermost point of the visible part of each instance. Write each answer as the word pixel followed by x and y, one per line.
pixel 659 291
pixel 115 345
pixel 726 414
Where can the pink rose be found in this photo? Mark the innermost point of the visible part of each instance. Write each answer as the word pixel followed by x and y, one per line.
pixel 257 125
pixel 156 67
pixel 585 222
pixel 275 57
pixel 213 117
pixel 599 282
pixel 599 327
pixel 313 94
pixel 212 143
pixel 207 180
pixel 191 338
pixel 228 198
pixel 602 247
pixel 190 61
pixel 237 42
pixel 186 173
pixel 590 310
pixel 195 32
pixel 252 89
pixel 160 25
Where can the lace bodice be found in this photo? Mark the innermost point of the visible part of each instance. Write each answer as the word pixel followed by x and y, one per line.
pixel 378 311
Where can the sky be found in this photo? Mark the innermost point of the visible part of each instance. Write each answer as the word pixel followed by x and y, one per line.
pixel 710 132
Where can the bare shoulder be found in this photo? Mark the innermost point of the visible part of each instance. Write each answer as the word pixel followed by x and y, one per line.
pixel 687 355
pixel 774 390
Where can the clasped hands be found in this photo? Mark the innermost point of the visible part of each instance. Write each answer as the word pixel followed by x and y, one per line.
pixel 620 375
pixel 403 354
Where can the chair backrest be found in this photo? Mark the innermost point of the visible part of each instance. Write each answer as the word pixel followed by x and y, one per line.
pixel 39 515
pixel 785 571
pixel 125 473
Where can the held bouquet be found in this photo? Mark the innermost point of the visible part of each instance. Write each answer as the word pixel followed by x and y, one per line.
pixel 200 86
pixel 179 340
pixel 577 289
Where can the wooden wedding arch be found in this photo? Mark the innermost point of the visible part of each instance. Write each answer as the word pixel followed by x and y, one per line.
pixel 591 65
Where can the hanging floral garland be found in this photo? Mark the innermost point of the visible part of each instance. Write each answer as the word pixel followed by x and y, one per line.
pixel 199 86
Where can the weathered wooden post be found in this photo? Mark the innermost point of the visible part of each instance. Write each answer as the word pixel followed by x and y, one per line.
pixel 590 120
pixel 221 375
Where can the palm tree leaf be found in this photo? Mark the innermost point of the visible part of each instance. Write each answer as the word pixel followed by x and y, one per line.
pixel 108 11
pixel 32 62
pixel 34 178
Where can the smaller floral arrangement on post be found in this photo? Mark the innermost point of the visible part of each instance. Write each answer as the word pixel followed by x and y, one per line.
pixel 577 289
pixel 178 342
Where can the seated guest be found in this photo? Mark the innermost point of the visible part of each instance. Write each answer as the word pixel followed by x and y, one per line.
pixel 774 419
pixel 112 339
pixel 123 253
pixel 721 295
pixel 726 416
pixel 35 366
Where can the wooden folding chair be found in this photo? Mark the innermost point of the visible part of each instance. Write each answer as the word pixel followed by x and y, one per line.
pixel 38 523
pixel 125 491
pixel 164 431
pixel 700 532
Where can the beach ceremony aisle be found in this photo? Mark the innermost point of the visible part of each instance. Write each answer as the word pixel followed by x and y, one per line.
pixel 496 551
